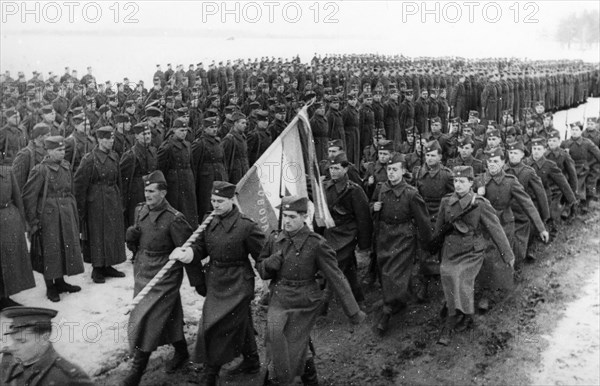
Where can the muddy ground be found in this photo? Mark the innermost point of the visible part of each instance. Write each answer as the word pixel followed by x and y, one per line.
pixel 511 344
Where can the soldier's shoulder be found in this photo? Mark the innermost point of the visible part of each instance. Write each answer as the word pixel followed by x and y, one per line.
pixel 446 170
pixel 66 372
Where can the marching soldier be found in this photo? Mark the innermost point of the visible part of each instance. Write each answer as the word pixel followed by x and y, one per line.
pixel 562 159
pixel 465 156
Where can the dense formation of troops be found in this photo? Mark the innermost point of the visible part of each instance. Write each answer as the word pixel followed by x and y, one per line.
pixel 432 168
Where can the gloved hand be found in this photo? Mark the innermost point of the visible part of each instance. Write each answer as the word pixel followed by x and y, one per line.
pixel 133 234
pixel 358 318
pixel 184 255
pixel 274 262
pixel 133 247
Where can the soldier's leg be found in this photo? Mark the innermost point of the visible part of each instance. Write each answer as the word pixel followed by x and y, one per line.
pixel 521 239
pixel 138 366
pixel 309 377
pixel 251 362
pixel 349 267
pixel 179 358
pixel 51 291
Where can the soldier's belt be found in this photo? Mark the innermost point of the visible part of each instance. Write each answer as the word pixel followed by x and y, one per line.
pixel 226 264
pixel 393 221
pixel 295 283
pixel 156 253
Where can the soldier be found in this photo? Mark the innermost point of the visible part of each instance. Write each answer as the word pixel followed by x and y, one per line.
pixel 433 181
pixel 226 330
pixel 465 157
pixel 534 187
pixel 467 214
pixel 392 117
pixel 259 139
pixel 15 264
pixel 278 125
pixel 353 228
pixel 562 159
pixel 583 151
pixel 554 181
pixel 50 208
pixel 97 186
pixel 80 142
pixel 158 319
pixel 407 112
pixel 174 159
pixel 366 124
pixel 30 155
pixel 49 118
pixel 29 357
pixel 396 207
pixel 320 130
pixel 334 148
pixel 422 122
pixel 290 259
pixel 12 137
pixel 124 137
pixel 136 162
pixel 154 117
pixel 235 149
pixel 335 121
pixel 458 100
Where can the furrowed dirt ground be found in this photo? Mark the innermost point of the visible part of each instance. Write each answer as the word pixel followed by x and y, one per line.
pixel 544 332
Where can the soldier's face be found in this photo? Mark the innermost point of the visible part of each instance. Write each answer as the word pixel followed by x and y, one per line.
pixel 211 131
pixel 292 220
pixel 436 127
pixel 26 345
pixel 180 132
pixel 337 171
pixel 394 172
pixel 575 132
pixel 539 109
pixel 537 152
pixel 433 158
pixel 495 164
pixel 57 154
pixel 106 143
pixel 466 150
pixel 153 195
pixel 13 119
pixel 130 109
pixel 553 143
pixel 493 141
pixel 262 124
pixel 333 151
pixel 515 156
pixel 240 125
pixel 384 156
pixel 462 185
pixel 221 205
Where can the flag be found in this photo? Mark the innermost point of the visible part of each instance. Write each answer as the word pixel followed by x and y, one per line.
pixel 284 169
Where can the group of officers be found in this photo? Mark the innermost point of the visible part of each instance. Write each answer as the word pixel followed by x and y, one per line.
pixel 412 185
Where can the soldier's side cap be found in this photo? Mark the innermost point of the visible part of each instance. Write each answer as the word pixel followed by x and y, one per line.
pixel 103 109
pixel 408 91
pixel 230 109
pixel 47 109
pixel 548 114
pixel 433 146
pixel 554 134
pixel 23 317
pixel 104 132
pixel 463 171
pixel 577 123
pixel 54 142
pixel 122 118
pixel 340 159
pixel 497 152
pixel 280 108
pixel 493 133
pixel 262 115
pixel 436 120
pixel 334 99
pixel 516 146
pixel 140 127
pixel 39 130
pixel 335 143
pixel 153 112
pixel 236 116
pixel 294 204
pixel 211 113
pixel 539 141
pixel 466 140
pixel 254 104
pixel 539 103
pixel 397 158
pixel 223 189
pixel 180 124
pixel 474 113
pixel 156 177
pixel 386 145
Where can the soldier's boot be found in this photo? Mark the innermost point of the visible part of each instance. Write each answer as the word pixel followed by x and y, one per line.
pixel 384 323
pixel 465 323
pixel 138 365
pixel 309 377
pixel 111 272
pixel 445 336
pixel 51 291
pixel 98 275
pixel 212 374
pixel 179 358
pixel 250 365
pixel 63 286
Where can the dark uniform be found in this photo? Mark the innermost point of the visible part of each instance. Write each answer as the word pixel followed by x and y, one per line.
pixel 351 119
pixel 258 141
pixel 12 139
pixel 583 151
pixel 320 131
pixel 78 144
pixel 25 160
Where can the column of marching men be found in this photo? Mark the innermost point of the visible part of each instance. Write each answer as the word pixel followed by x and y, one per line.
pixel 456 185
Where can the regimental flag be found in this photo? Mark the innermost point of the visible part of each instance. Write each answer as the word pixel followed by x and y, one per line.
pixel 288 167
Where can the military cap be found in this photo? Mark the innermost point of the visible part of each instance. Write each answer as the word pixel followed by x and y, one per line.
pixel 334 99
pixel 47 109
pixel 539 103
pixel 497 152
pixel 103 109
pixel 54 142
pixel 237 115
pixel 341 159
pixel 407 91
pixel 290 97
pixel 554 134
pixel 548 114
pixel 262 115
pixel 212 112
pixel 180 123
pixel 223 189
pixel 493 132
pixel 23 317
pixel 463 171
pixel 386 145
pixel 577 123
pixel 129 103
pixel 455 120
pixel 436 120
pixel 539 141
pixel 433 146
pixel 213 98
pixel 335 143
pixel 474 113
pixel 39 130
pixel 351 97
pixel 397 158
pixel 294 204
pixel 156 177
pixel 104 132
pixel 511 130
pixel 367 95
pixel 309 95
pixel 280 109
pixel 209 122
pixel 182 112
pixel 254 105
pixel 466 140
pixel 272 101
pixel 140 127
pixel 592 120
pixel 153 111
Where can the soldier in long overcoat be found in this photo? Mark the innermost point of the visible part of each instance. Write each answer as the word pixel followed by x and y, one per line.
pixel 12 137
pixel 158 319
pixel 226 329
pixel 235 149
pixel 30 155
pixel 135 163
pixel 291 259
pixel 351 119
pixel 259 139
pixel 80 142
pixel 174 159
pixel 16 274
pixel 50 208
pixel 97 185
pixel 320 130
pixel 400 219
pixel 392 117
pixel 366 124
pixel 207 164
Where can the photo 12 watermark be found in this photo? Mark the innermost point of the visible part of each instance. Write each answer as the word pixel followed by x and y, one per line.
pixel 252 12
pixel 470 11
pixel 53 12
